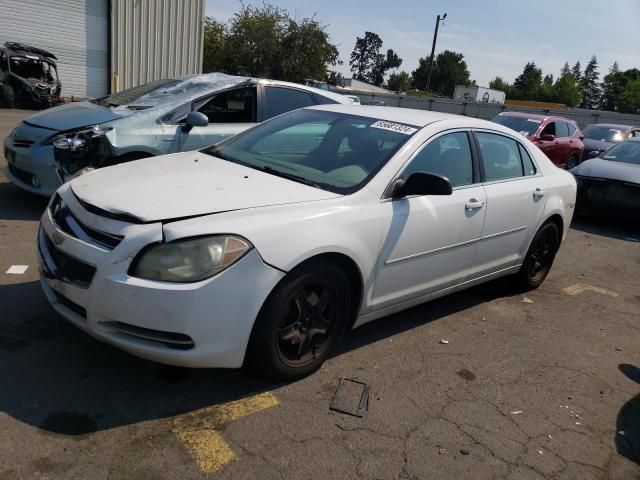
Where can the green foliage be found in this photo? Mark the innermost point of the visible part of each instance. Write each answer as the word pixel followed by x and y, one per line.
pixel 367 63
pixel 528 84
pixel 449 70
pixel 266 41
pixel 629 100
pixel 399 82
pixel 590 87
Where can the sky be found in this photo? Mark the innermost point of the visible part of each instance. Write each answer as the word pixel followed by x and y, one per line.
pixel 497 37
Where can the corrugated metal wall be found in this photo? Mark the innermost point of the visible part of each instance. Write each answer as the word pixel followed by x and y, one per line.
pixel 75 31
pixel 154 39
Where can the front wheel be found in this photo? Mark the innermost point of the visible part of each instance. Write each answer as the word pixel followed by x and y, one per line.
pixel 301 322
pixel 540 257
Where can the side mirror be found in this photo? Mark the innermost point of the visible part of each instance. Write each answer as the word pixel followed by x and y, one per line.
pixel 196 119
pixel 547 137
pixel 422 183
pixel 594 153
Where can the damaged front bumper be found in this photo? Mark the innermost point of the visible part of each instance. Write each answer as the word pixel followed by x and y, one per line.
pixel 84 276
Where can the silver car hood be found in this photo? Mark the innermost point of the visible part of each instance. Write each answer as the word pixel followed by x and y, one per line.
pixel 599 168
pixel 186 185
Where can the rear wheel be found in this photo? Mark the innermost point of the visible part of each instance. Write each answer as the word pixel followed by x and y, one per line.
pixel 301 322
pixel 572 162
pixel 540 257
pixel 7 97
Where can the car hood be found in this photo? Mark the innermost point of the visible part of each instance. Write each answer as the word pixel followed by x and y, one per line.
pixel 590 144
pixel 599 168
pixel 73 115
pixel 187 185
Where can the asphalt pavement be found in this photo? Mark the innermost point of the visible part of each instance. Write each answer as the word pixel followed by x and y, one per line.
pixel 485 384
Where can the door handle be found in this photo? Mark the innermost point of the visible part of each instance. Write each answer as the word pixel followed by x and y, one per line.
pixel 539 193
pixel 473 204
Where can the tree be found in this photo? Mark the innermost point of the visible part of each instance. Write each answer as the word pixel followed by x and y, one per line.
pixel 449 70
pixel 577 71
pixel 215 53
pixel 498 83
pixel 565 70
pixel 567 90
pixel 267 41
pixel 629 100
pixel 528 84
pixel 399 82
pixel 368 64
pixel 612 85
pixel 590 87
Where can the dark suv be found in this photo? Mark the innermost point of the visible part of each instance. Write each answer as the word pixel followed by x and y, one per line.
pixel 558 137
pixel 28 76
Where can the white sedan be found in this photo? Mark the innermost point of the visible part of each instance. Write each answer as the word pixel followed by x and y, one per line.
pixel 266 247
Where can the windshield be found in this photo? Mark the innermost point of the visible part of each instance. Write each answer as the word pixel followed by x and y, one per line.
pixel 603 133
pixel 524 126
pixel 627 152
pixel 33 68
pixel 333 151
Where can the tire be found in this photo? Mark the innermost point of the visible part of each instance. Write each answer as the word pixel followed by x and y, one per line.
pixel 572 162
pixel 7 97
pixel 540 257
pixel 313 297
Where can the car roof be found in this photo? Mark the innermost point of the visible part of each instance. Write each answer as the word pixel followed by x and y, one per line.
pixel 410 116
pixel 534 116
pixel 611 125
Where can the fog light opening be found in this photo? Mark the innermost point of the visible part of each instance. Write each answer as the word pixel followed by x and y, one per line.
pixel 35 181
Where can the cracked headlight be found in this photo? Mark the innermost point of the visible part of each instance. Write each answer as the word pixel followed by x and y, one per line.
pixel 78 139
pixel 189 260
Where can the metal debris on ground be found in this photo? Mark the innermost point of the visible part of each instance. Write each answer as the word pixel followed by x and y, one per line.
pixel 526 300
pixel 17 269
pixel 443 341
pixel 517 412
pixel 465 451
pixel 351 397
pixel 540 451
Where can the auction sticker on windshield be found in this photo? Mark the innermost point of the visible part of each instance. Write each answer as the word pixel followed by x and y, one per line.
pixel 394 127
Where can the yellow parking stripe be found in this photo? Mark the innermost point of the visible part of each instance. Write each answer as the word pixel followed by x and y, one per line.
pixel 582 287
pixel 198 430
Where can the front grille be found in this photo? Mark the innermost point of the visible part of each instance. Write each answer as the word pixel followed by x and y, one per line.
pixel 614 193
pixel 69 224
pixel 20 174
pixel 20 143
pixel 68 268
pixel 178 341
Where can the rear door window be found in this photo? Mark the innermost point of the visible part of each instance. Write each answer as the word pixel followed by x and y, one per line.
pixel 501 157
pixel 549 129
pixel 281 99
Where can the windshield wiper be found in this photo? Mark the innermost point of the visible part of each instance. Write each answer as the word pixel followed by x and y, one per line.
pixel 290 176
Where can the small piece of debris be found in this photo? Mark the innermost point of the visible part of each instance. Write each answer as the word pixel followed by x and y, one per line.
pixel 443 341
pixel 549 437
pixel 17 269
pixel 465 451
pixel 540 452
pixel 517 412
pixel 441 451
pixel 526 300
pixel 621 433
pixel 578 423
pixel 617 348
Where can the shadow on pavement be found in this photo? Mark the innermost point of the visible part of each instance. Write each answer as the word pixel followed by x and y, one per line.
pixel 57 378
pixel 16 204
pixel 628 422
pixel 619 228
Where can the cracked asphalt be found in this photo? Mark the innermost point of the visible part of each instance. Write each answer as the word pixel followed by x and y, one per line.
pixel 542 385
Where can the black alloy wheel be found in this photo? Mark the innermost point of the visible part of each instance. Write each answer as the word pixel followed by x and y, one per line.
pixel 301 322
pixel 540 257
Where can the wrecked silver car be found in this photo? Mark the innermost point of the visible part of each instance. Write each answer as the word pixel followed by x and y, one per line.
pixel 610 183
pixel 165 116
pixel 28 77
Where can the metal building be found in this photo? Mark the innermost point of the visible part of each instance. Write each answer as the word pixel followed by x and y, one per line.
pixel 105 45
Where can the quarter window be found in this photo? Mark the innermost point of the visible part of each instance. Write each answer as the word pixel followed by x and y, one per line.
pixel 503 157
pixel 448 155
pixel 232 106
pixel 280 100
pixel 572 129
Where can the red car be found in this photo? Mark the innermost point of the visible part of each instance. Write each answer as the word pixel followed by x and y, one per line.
pixel 558 137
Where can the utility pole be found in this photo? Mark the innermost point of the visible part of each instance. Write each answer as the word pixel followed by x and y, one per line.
pixel 433 48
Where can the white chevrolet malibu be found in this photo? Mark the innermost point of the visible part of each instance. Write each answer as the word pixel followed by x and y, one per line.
pixel 266 247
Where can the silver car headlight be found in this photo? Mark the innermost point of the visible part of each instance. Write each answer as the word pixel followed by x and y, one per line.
pixel 189 260
pixel 78 139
